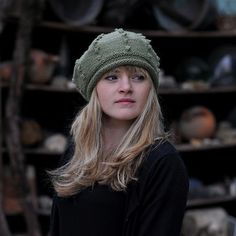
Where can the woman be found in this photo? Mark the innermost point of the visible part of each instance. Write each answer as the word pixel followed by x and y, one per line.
pixel 121 176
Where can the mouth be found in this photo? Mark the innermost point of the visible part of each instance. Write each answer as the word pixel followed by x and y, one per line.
pixel 125 100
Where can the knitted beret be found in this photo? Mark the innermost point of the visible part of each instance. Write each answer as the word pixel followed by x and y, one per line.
pixel 111 50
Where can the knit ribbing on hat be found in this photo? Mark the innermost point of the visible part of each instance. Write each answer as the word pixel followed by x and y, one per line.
pixel 109 51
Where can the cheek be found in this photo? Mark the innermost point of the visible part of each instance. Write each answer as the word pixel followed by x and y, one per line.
pixel 103 96
pixel 104 102
pixel 144 93
pixel 100 90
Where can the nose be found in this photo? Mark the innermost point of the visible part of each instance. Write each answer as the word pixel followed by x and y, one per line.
pixel 125 85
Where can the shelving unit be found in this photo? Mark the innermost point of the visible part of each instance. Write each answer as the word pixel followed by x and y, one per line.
pixel 210 163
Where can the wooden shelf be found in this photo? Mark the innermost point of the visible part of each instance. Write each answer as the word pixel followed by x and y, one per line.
pixel 150 33
pixel 191 148
pixel 96 29
pixel 39 212
pixel 38 151
pixel 210 201
pixel 49 88
pixel 43 88
pixel 178 91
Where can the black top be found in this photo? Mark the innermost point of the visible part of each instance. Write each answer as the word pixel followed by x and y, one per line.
pixel 91 212
pixel 154 205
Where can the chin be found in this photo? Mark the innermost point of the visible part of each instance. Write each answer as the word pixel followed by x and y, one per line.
pixel 126 117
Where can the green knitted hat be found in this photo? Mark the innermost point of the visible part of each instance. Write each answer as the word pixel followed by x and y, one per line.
pixel 111 50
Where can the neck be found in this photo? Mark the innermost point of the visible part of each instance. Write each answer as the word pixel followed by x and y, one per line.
pixel 114 131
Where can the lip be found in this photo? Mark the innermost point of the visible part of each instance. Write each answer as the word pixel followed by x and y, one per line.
pixel 125 100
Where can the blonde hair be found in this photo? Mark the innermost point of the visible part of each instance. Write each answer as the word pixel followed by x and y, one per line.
pixel 89 165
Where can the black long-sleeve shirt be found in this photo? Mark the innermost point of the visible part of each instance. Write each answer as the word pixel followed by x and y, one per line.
pixel 152 206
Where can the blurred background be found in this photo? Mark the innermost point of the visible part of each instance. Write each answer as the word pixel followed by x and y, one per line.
pixel 39 43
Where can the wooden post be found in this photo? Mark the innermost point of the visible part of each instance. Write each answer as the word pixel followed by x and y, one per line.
pixel 29 10
pixel 4 230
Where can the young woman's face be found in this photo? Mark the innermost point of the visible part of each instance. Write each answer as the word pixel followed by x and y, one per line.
pixel 123 93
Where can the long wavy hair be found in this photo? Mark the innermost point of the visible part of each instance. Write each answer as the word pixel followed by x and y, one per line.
pixel 89 164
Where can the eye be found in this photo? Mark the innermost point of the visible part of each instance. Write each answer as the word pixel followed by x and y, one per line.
pixel 139 77
pixel 111 77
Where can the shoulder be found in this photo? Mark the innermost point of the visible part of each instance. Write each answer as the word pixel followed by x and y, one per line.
pixel 162 147
pixel 161 150
pixel 162 160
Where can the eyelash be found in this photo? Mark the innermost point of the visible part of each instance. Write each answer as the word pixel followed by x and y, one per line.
pixel 114 77
pixel 139 77
pixel 111 77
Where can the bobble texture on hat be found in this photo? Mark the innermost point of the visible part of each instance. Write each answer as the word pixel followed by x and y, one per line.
pixel 108 51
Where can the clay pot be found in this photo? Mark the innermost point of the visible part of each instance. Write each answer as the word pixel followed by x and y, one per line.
pixel 197 123
pixel 5 71
pixel 77 13
pixel 55 143
pixel 11 199
pixel 31 133
pixel 182 15
pixel 42 66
